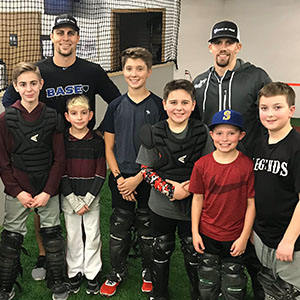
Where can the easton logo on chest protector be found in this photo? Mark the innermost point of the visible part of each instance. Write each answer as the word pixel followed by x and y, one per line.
pixel 35 137
pixel 67 91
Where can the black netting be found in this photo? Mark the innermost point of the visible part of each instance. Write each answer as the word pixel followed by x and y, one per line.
pixel 106 28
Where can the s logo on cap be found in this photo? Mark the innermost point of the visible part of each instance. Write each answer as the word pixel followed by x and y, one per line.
pixel 226 115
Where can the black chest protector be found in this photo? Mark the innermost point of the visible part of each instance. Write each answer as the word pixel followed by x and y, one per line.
pixel 32 147
pixel 176 156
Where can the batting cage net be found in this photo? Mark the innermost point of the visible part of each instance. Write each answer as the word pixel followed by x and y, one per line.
pixel 106 28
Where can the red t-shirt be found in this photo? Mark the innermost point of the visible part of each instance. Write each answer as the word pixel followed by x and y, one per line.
pixel 226 188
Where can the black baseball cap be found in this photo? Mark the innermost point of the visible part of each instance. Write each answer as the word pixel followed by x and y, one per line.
pixel 225 29
pixel 65 20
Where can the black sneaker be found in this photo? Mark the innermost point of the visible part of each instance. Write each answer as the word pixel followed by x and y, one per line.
pixel 93 287
pixel 39 271
pixel 7 296
pixel 59 291
pixel 74 283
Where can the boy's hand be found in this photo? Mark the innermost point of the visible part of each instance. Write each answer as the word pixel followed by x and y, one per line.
pixel 238 247
pixel 25 199
pixel 285 251
pixel 130 197
pixel 198 243
pixel 41 200
pixel 180 191
pixel 83 210
pixel 127 186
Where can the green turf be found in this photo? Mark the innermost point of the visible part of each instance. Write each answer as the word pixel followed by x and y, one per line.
pixel 130 289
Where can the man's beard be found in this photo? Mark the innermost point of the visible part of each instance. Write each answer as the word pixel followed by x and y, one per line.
pixel 222 63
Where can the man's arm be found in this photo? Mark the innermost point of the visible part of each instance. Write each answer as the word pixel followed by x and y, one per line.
pixel 285 248
pixel 10 96
pixel 106 88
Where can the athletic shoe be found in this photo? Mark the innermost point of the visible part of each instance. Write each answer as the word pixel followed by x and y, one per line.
pixel 7 296
pixel 93 287
pixel 109 288
pixel 39 271
pixel 147 283
pixel 60 292
pixel 74 283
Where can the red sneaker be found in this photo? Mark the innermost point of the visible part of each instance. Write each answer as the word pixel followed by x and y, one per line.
pixel 147 283
pixel 109 288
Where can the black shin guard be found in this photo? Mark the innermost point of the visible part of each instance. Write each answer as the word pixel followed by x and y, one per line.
pixel 276 288
pixel 162 250
pixel 191 265
pixel 54 245
pixel 10 266
pixel 209 276
pixel 234 281
pixel 145 239
pixel 121 221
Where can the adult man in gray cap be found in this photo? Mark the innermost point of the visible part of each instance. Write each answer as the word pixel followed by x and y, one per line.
pixel 232 83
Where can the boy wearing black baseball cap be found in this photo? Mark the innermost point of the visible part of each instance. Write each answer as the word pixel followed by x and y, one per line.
pixel 223 209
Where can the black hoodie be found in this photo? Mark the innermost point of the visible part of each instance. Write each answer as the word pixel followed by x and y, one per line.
pixel 237 90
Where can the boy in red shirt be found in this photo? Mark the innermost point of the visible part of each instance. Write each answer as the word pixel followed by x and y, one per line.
pixel 223 209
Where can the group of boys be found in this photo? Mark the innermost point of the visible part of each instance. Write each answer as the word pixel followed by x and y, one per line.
pixel 165 176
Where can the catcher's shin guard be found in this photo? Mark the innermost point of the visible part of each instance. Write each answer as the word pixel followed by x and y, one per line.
pixel 10 266
pixel 234 281
pixel 121 222
pixel 162 250
pixel 276 288
pixel 191 265
pixel 209 276
pixel 54 245
pixel 145 239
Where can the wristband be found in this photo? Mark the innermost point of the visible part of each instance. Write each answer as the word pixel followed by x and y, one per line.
pixel 118 176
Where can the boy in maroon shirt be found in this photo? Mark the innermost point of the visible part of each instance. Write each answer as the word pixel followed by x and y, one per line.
pixel 223 209
pixel 32 162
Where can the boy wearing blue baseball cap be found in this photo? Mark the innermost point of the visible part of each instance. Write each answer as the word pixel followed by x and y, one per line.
pixel 223 209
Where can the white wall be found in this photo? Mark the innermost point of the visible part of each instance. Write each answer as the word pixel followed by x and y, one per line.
pixel 270 34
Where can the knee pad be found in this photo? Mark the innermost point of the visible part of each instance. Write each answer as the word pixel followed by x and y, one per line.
pixel 54 245
pixel 188 250
pixel 163 247
pixel 10 266
pixel 121 222
pixel 145 238
pixel 276 288
pixel 234 281
pixel 209 276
